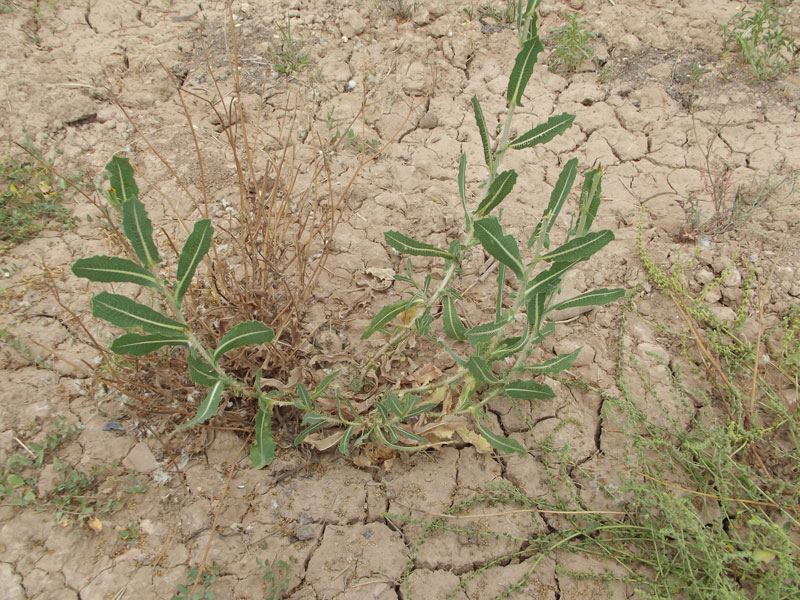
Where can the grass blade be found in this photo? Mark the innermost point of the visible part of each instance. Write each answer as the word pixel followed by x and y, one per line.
pixel 244 334
pixel 128 314
pixel 502 247
pixel 193 251
pixel 208 408
pixel 113 269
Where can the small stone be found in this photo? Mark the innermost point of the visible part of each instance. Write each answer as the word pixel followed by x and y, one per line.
pixel 140 459
pixel 305 533
pixel 704 276
pixel 734 279
pixel 429 121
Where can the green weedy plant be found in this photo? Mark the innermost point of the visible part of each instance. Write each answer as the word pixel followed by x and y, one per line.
pixel 572 45
pixel 404 419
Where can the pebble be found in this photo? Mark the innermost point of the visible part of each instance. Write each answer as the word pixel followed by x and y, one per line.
pixel 140 459
pixel 429 121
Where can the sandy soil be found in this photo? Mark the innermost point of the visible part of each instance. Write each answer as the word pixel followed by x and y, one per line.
pixel 663 78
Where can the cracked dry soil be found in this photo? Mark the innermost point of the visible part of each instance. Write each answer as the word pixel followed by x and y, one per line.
pixel 638 116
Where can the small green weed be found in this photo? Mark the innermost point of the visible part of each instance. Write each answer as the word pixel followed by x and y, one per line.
pixel 275 577
pixel 291 58
pixel 23 349
pixel 130 533
pixel 764 39
pixel 204 581
pixel 572 45
pixel 30 200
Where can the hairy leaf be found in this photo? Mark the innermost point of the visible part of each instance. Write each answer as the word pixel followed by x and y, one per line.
pixel 244 334
pixel 581 248
pixel 407 245
pixel 201 372
pixel 112 269
pixel 121 179
pixel 528 390
pixel 536 310
pixel 453 326
pixel 262 452
pixel 562 362
pixel 523 68
pixel 590 199
pixel 385 316
pixel 543 133
pixel 485 332
pixel 548 279
pixel 498 442
pixel 133 344
pixel 193 251
pixel 481 370
pixel 502 247
pixel 594 298
pixel 481 121
pixel 500 188
pixel 128 314
pixel 137 228
pixel 208 408
pixel 462 185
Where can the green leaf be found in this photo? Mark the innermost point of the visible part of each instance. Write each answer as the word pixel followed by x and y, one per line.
pixel 139 231
pixel 133 344
pixel 462 185
pixel 523 68
pixel 315 421
pixel 548 279
pixel 304 397
pixel 510 346
pixel 559 195
pixel 344 443
pixel 244 334
pixel 201 372
pixel 112 269
pixel 528 390
pixel 406 245
pixel 15 480
pixel 385 316
pixel 562 362
pixel 208 408
pixel 127 314
pixel 594 298
pixel 581 248
pixel 590 200
pixel 453 326
pixel 481 121
pixel 498 442
pixel 502 247
pixel 485 332
pixel 544 132
pixel 500 188
pixel 536 310
pixel 262 452
pixel 123 183
pixel 193 251
pixel 481 370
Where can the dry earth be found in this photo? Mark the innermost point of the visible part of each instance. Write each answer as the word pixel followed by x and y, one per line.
pixel 664 76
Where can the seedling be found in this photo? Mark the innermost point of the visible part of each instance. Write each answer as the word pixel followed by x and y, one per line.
pixel 205 580
pixel 275 577
pixel 572 45
pixel 291 58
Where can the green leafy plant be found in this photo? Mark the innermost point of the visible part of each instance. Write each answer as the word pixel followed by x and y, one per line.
pixel 30 199
pixel 290 58
pixel 275 577
pixel 130 533
pixel 206 579
pixel 764 39
pixel 455 404
pixel 572 45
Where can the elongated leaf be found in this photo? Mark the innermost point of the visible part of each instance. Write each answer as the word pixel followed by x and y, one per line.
pixel 462 185
pixel 481 370
pixel 528 390
pixel 112 269
pixel 128 314
pixel 133 344
pixel 201 372
pixel 244 334
pixel 485 332
pixel 594 298
pixel 536 311
pixel 498 442
pixel 510 346
pixel 208 408
pixel 481 121
pixel 385 316
pixel 314 421
pixel 581 248
pixel 406 245
pixel 544 132
pixel 548 279
pixel 562 362
pixel 561 192
pixel 123 183
pixel 523 68
pixel 590 200
pixel 500 188
pixel 139 231
pixel 502 247
pixel 344 443
pixel 304 397
pixel 192 253
pixel 453 326
pixel 262 452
